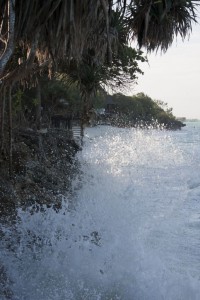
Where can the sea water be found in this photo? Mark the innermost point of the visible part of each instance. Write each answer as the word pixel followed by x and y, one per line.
pixel 130 230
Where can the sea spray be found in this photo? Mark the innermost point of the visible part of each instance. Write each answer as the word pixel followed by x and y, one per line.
pixel 132 233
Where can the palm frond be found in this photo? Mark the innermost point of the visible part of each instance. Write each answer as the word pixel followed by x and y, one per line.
pixel 156 23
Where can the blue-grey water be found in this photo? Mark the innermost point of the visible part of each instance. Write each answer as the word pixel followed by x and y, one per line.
pixel 132 233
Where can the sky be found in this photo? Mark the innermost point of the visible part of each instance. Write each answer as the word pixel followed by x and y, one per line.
pixel 174 77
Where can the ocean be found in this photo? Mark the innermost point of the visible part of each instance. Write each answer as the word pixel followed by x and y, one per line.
pixel 130 229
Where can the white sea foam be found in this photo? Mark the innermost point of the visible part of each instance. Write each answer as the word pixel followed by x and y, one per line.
pixel 134 232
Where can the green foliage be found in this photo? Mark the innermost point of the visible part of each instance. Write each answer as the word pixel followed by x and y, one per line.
pixel 52 91
pixel 17 101
pixel 141 109
pixel 90 76
pixel 133 110
pixel 35 101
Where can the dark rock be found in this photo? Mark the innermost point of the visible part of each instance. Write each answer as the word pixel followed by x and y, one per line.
pixel 43 168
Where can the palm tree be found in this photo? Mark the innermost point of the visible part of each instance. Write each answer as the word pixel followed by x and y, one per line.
pixel 155 24
pixel 94 35
pixel 52 29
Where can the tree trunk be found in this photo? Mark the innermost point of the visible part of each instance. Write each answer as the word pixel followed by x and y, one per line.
pixel 38 106
pixel 86 107
pixel 10 30
pixel 3 96
pixel 105 6
pixel 10 131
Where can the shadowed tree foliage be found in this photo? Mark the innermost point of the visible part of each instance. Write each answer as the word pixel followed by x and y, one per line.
pixel 138 110
pixel 50 30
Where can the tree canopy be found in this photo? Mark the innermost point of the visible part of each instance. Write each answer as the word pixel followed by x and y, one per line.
pixel 36 34
pixel 137 110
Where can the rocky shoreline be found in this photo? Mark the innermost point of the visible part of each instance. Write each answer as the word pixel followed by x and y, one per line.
pixel 44 165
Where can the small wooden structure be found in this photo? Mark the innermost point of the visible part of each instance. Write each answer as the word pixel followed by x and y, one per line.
pixel 69 122
pixel 60 121
pixel 110 107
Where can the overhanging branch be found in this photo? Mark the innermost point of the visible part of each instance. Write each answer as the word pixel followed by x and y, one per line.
pixel 9 45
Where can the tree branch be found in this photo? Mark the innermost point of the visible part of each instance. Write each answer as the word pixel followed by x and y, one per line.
pixel 8 51
pixel 105 10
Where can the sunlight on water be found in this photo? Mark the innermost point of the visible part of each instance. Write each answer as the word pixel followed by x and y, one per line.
pixel 133 232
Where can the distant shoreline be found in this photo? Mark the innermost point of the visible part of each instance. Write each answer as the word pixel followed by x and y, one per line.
pixel 192 120
pixel 188 120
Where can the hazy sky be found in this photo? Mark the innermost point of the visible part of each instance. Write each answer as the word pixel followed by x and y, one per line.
pixel 174 77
